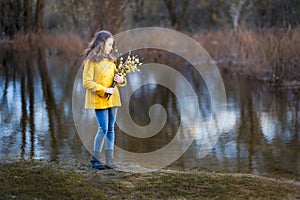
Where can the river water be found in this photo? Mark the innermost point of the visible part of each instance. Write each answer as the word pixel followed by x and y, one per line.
pixel 261 133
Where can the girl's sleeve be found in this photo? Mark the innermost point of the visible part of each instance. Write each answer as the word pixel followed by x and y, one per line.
pixel 88 80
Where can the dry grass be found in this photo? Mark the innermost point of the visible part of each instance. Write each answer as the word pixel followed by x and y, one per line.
pixel 267 53
pixel 66 44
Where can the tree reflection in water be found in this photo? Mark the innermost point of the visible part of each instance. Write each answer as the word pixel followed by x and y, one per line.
pixel 35 120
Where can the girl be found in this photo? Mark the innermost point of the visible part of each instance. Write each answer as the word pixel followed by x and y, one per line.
pixel 98 74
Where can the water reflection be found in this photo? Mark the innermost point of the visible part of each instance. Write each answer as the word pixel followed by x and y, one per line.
pixel 36 118
pixel 260 135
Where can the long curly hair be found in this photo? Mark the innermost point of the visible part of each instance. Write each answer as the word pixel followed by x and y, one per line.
pixel 94 52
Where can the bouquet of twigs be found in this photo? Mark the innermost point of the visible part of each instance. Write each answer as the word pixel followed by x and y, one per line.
pixel 124 67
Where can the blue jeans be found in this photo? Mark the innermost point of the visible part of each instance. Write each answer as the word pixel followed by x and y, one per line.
pixel 106 123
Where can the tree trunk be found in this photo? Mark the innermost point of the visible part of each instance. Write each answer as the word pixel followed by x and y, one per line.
pixel 178 13
pixel 39 17
pixel 26 17
pixel 171 8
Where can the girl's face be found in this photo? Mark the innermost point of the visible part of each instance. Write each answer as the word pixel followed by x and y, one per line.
pixel 108 45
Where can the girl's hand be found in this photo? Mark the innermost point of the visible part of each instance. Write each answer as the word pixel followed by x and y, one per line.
pixel 119 79
pixel 110 90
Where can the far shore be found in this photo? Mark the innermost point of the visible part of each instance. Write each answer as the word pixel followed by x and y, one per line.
pixel 268 55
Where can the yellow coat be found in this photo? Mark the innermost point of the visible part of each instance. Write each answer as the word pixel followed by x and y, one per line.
pixel 97 77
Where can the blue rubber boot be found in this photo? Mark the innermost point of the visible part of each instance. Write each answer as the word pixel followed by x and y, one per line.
pixel 96 162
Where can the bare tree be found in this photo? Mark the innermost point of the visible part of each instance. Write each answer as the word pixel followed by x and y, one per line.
pixel 108 15
pixel 16 16
pixel 235 8
pixel 178 12
pixel 39 13
pixel 26 16
pixel 86 17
